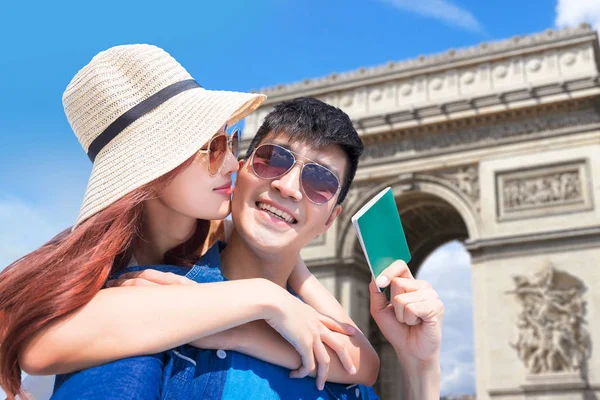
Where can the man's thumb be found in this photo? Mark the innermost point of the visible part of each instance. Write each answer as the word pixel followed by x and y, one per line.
pixel 378 300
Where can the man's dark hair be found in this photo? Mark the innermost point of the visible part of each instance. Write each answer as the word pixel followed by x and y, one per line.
pixel 318 124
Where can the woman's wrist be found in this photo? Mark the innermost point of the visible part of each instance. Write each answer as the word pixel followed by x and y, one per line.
pixel 268 298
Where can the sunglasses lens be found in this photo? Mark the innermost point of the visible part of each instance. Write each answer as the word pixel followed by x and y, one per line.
pixel 235 143
pixel 319 183
pixel 218 152
pixel 271 161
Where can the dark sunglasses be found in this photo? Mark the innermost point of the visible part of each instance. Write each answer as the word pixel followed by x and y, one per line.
pixel 318 183
pixel 217 150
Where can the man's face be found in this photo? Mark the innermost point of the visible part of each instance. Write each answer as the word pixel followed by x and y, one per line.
pixel 257 200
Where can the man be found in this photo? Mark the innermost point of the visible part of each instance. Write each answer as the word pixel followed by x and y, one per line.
pixel 283 199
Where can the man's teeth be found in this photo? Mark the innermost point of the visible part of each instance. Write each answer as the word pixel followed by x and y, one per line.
pixel 277 212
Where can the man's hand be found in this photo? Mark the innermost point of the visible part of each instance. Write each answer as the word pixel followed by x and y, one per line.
pixel 412 320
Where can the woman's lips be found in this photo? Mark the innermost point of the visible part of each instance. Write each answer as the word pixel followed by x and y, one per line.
pixel 225 189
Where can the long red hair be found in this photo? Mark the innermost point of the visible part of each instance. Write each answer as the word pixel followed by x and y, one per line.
pixel 68 271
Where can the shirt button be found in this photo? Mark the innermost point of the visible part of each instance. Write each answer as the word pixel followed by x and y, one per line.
pixel 357 392
pixel 221 354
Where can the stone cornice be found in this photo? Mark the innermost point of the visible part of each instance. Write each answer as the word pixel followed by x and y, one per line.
pixel 434 63
pixel 530 244
pixel 490 121
pixel 477 106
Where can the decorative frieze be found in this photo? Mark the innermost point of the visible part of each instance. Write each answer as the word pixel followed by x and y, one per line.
pixel 423 141
pixel 551 333
pixel 545 190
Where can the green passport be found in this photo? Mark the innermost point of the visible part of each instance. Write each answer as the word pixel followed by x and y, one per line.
pixel 380 232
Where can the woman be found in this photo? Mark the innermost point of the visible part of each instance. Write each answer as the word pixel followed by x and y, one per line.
pixel 161 156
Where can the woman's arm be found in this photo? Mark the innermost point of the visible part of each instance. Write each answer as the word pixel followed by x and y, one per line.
pixel 313 293
pixel 128 321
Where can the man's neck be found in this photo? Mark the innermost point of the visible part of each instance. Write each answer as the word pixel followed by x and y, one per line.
pixel 241 261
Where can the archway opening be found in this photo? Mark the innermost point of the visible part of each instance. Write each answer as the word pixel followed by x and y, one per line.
pixel 448 269
pixel 428 222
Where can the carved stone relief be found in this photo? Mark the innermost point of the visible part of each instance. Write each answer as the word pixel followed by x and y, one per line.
pixel 542 191
pixel 551 326
pixel 466 179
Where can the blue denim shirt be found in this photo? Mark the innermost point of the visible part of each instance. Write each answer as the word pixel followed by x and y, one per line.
pixel 188 372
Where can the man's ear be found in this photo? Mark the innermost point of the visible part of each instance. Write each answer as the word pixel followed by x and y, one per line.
pixel 334 213
pixel 240 164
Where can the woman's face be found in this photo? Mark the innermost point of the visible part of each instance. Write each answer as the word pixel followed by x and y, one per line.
pixel 198 194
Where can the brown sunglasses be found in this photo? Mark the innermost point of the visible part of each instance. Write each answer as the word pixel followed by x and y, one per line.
pixel 217 150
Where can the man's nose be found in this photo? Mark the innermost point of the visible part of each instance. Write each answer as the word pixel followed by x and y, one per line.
pixel 288 184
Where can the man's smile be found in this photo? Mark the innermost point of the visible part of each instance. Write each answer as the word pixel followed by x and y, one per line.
pixel 277 212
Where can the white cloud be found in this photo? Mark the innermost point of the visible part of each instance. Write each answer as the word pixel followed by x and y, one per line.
pixel 574 12
pixel 448 269
pixel 442 10
pixel 23 228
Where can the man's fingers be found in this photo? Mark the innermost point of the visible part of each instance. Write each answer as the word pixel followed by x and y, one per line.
pixel 323 361
pixel 405 285
pixel 397 269
pixel 402 302
pixel 337 326
pixel 429 311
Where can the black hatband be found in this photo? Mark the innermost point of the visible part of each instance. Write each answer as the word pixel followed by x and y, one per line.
pixel 136 112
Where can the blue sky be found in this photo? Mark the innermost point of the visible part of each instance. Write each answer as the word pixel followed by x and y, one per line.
pixel 236 45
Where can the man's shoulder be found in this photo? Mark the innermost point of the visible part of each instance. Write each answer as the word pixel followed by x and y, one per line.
pixel 208 267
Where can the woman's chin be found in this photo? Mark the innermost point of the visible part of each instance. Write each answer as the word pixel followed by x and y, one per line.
pixel 220 213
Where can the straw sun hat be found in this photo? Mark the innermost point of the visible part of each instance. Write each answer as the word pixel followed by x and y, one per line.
pixel 138 114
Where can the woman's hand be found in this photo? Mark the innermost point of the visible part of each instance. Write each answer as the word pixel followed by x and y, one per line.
pixel 308 332
pixel 313 293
